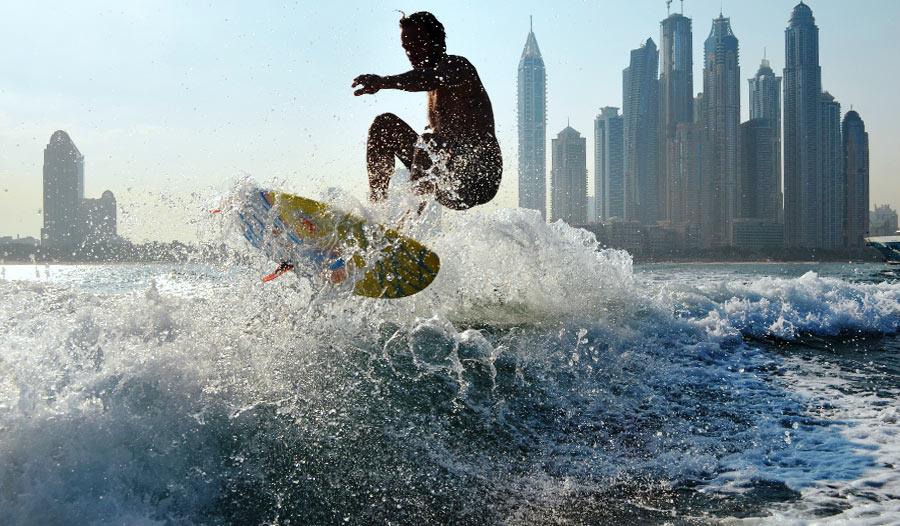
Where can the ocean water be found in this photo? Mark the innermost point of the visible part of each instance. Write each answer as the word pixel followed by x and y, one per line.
pixel 539 380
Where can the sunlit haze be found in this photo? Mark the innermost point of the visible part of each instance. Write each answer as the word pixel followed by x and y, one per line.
pixel 171 101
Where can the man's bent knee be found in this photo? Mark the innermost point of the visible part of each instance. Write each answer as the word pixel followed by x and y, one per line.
pixel 386 122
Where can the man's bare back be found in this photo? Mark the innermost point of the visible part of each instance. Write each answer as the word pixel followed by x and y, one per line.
pixel 460 107
pixel 460 118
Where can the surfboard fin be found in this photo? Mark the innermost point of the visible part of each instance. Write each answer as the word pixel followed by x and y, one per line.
pixel 284 267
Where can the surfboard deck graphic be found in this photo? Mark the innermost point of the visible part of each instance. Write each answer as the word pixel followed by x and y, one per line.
pixel 379 261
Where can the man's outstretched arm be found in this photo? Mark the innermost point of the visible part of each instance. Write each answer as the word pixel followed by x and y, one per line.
pixel 448 74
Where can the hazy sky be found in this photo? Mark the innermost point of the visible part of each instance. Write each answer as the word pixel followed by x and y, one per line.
pixel 171 101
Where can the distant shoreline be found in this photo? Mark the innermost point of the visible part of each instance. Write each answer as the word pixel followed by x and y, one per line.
pixel 761 262
pixel 759 256
pixel 113 253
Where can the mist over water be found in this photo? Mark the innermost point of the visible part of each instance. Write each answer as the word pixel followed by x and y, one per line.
pixel 538 380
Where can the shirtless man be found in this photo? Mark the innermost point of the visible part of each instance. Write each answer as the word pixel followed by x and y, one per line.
pixel 460 118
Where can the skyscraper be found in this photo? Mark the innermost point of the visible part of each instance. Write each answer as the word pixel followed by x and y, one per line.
pixel 63 191
pixel 640 109
pixel 568 180
pixel 532 114
pixel 759 192
pixel 691 189
pixel 70 219
pixel 831 156
pixel 765 103
pixel 802 109
pixel 609 164
pixel 856 180
pixel 676 95
pixel 722 97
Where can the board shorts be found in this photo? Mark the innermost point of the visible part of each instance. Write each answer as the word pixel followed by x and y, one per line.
pixel 473 174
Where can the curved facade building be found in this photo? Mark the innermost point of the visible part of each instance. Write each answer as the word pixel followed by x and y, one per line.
pixel 63 191
pixel 70 220
pixel 640 110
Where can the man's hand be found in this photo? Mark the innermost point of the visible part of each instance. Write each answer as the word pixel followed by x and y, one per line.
pixel 369 84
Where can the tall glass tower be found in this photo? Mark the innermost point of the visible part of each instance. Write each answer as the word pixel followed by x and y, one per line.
pixel 765 103
pixel 722 97
pixel 676 97
pixel 758 189
pixel 609 165
pixel 532 114
pixel 803 184
pixel 640 109
pixel 856 180
pixel 831 155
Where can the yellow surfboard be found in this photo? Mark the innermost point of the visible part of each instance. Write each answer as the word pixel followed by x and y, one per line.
pixel 382 262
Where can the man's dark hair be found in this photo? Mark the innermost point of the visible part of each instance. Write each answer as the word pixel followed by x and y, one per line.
pixel 428 23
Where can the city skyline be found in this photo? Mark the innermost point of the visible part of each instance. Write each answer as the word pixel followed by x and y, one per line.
pixel 254 91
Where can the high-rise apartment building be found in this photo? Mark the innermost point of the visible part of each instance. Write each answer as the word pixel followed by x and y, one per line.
pixel 640 109
pixel 722 98
pixel 63 191
pixel 831 157
pixel 803 181
pixel 856 180
pixel 765 103
pixel 532 115
pixel 691 189
pixel 759 191
pixel 676 96
pixel 609 165
pixel 568 179
pixel 70 219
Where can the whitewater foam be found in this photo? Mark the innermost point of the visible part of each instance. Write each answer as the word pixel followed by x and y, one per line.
pixel 538 380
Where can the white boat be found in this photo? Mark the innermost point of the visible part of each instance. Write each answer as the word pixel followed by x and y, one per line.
pixel 889 246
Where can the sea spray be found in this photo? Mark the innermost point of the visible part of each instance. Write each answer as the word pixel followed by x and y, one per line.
pixel 568 390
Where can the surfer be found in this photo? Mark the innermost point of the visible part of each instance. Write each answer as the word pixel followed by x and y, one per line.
pixel 460 118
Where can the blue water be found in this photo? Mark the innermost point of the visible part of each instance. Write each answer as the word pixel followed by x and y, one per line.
pixel 537 381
